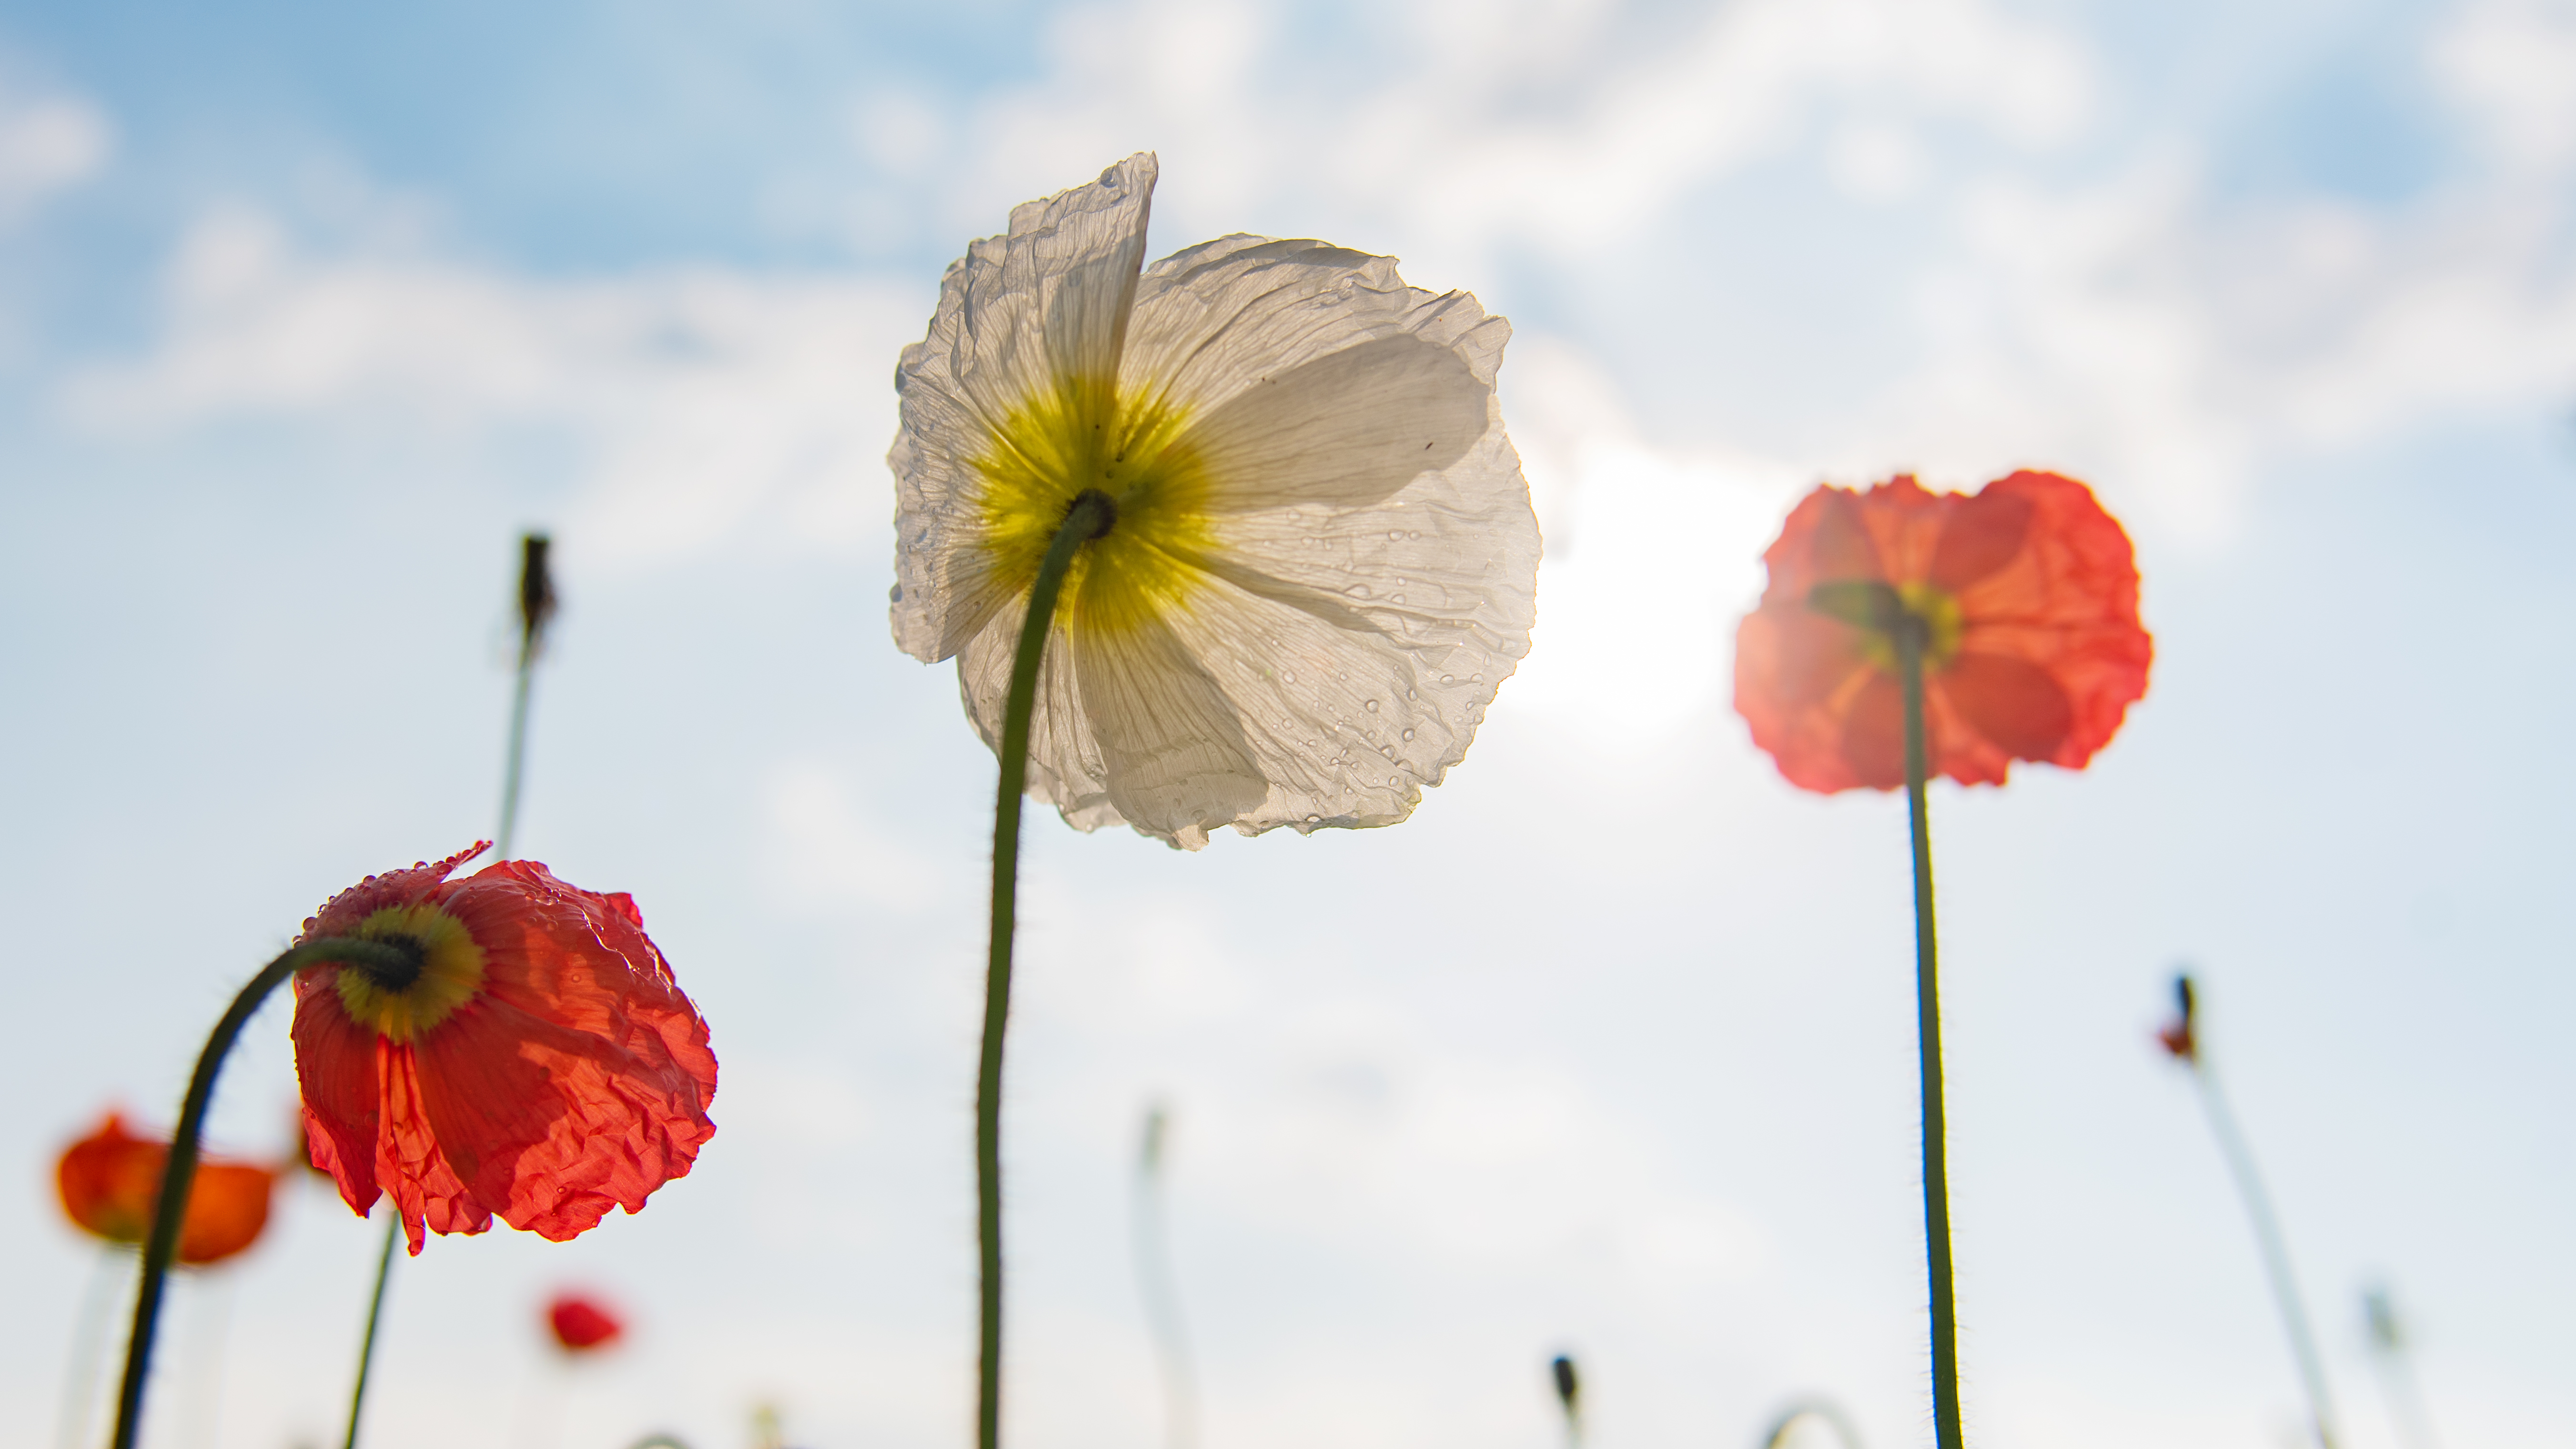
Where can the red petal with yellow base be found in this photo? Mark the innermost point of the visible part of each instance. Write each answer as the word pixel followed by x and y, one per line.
pixel 573 1078
pixel 2038 649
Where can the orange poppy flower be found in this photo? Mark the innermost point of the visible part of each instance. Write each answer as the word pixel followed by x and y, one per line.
pixel 2030 596
pixel 111 1179
pixel 539 1064
pixel 582 1324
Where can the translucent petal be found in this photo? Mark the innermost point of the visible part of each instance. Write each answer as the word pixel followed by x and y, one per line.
pixel 1048 299
pixel 1371 580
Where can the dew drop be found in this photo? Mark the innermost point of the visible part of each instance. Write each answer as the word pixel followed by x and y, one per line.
pixel 1413 533
pixel 1314 819
pixel 1475 679
pixel 1387 750
pixel 1357 591
pixel 1395 535
pixel 1448 679
pixel 1370 705
pixel 1395 598
pixel 1289 675
pixel 1408 734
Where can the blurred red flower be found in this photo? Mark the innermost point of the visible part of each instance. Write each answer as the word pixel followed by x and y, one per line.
pixel 110 1180
pixel 2029 592
pixel 539 1064
pixel 581 1323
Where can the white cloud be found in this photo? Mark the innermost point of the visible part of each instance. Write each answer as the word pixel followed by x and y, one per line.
pixel 46 143
pixel 1548 121
pixel 826 850
pixel 700 396
pixel 2512 65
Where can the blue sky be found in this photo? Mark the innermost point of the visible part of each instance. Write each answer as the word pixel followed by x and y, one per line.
pixel 305 311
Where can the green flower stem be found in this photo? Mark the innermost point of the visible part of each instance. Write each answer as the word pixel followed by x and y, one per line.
pixel 1090 516
pixel 1909 631
pixel 170 1212
pixel 375 1311
pixel 2276 1249
pixel 1156 1284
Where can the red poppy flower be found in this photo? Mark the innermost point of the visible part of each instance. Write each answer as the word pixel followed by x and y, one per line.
pixel 539 1064
pixel 111 1180
pixel 582 1324
pixel 2030 594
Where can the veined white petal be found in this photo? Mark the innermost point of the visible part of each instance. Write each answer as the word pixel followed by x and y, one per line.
pixel 1066 769
pixel 1178 762
pixel 1218 317
pixel 1366 576
pixel 1048 300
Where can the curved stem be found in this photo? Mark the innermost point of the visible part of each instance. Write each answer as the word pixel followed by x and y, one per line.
pixel 1909 633
pixel 375 1310
pixel 169 1211
pixel 1090 516
pixel 1824 1409
pixel 2275 1249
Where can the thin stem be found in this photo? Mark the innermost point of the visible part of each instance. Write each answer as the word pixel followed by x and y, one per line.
pixel 1090 516
pixel 89 1344
pixel 518 746
pixel 170 1210
pixel 1824 1409
pixel 1909 633
pixel 375 1310
pixel 1155 1284
pixel 2275 1249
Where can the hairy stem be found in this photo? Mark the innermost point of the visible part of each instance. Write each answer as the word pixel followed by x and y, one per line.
pixel 1090 516
pixel 1909 631
pixel 170 1211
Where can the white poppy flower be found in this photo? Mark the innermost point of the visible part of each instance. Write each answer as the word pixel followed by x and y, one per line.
pixel 1323 561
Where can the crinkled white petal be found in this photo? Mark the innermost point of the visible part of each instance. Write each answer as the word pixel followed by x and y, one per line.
pixel 1373 577
pixel 1048 299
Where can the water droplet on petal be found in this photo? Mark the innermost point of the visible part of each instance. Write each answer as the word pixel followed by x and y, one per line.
pixel 1409 694
pixel 1395 598
pixel 1395 535
pixel 1290 676
pixel 1475 679
pixel 1314 819
pixel 1387 750
pixel 1371 705
pixel 1357 591
pixel 1413 533
pixel 1408 734
pixel 1448 679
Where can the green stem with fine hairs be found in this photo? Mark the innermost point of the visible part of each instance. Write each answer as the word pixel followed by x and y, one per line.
pixel 2275 1249
pixel 1090 516
pixel 170 1210
pixel 375 1311
pixel 1909 633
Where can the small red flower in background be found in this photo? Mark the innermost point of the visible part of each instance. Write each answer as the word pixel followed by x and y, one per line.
pixel 111 1179
pixel 2030 594
pixel 539 1064
pixel 582 1324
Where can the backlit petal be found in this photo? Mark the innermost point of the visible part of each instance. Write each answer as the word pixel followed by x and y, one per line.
pixel 1049 299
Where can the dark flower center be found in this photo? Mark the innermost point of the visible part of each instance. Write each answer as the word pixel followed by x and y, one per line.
pixel 396 976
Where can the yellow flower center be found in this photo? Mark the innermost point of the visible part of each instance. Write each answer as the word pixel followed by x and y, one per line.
pixel 450 972
pixel 1085 433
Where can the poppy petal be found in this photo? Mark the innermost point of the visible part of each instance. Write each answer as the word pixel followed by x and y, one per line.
pixel 2012 702
pixel 335 1063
